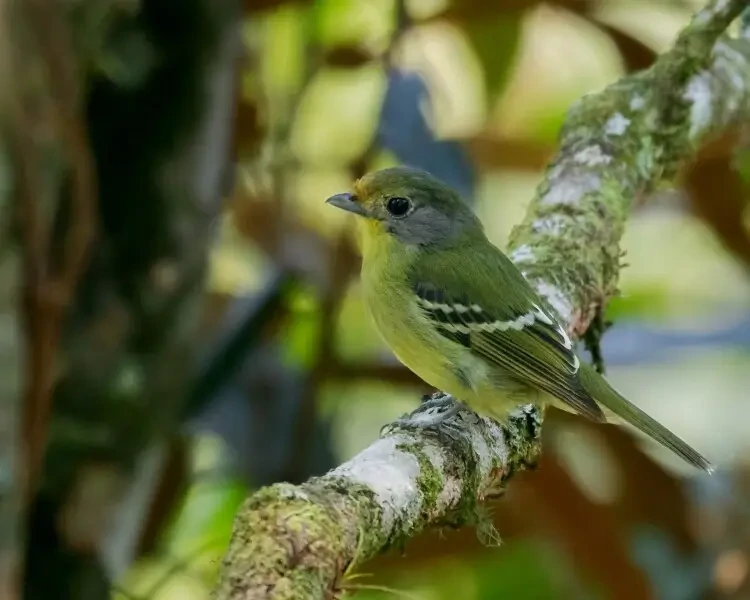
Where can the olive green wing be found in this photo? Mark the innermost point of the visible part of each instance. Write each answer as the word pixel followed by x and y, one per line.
pixel 516 334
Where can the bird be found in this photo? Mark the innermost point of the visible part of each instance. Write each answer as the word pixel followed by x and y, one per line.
pixel 457 312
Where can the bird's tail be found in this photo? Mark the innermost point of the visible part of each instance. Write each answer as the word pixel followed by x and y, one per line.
pixel 607 396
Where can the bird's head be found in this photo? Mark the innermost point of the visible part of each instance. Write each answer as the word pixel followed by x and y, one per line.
pixel 409 204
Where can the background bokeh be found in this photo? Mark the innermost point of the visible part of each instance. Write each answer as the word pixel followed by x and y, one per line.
pixel 287 377
pixel 474 92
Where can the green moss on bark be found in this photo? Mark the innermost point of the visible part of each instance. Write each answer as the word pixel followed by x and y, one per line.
pixel 430 480
pixel 615 147
pixel 294 538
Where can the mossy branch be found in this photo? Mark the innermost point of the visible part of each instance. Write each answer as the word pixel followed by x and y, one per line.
pixel 294 542
pixel 617 146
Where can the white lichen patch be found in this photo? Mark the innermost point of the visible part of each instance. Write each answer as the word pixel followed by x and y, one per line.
pixel 451 492
pixel 721 6
pixel 435 455
pixel 452 486
pixel 731 66
pixel 495 439
pixel 617 124
pixel 637 102
pixel 391 474
pixel 557 299
pixel 552 225
pixel 292 492
pixel 699 93
pixel 711 11
pixel 592 157
pixel 522 254
pixel 732 53
pixel 570 188
pixel 488 442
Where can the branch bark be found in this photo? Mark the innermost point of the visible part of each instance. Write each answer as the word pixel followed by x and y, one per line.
pixel 616 146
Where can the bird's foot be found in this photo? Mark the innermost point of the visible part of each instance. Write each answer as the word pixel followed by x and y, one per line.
pixel 440 403
pixel 436 413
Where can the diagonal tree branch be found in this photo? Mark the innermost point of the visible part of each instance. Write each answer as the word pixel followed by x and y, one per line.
pixel 617 145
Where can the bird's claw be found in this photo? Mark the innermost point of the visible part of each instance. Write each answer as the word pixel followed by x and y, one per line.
pixel 440 402
pixel 435 414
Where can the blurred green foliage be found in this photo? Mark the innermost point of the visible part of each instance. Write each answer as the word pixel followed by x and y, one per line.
pixel 507 74
pixel 530 572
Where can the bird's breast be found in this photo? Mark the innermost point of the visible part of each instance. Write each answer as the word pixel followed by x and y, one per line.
pixel 438 361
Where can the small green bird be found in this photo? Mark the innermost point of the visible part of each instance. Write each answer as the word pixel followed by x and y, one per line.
pixel 458 313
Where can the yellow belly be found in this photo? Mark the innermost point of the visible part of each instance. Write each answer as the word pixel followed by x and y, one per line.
pixel 434 358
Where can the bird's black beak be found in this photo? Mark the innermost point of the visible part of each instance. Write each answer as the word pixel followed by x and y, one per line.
pixel 347 202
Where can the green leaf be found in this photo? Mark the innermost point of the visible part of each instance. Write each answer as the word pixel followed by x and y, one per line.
pixel 283 56
pixel 643 302
pixel 200 533
pixel 524 572
pixel 353 22
pixel 528 572
pixel 302 333
pixel 495 42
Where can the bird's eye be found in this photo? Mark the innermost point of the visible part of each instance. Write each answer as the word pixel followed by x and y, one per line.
pixel 398 207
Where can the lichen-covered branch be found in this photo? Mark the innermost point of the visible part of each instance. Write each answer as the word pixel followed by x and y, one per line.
pixel 298 541
pixel 617 145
